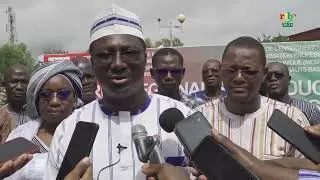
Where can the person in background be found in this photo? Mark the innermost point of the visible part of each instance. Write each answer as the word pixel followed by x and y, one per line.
pixel 277 83
pixel 3 95
pixel 53 93
pixel 168 71
pixel 242 115
pixel 16 81
pixel 212 82
pixel 118 55
pixel 89 81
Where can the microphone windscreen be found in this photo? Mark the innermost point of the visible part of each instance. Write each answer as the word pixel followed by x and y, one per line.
pixel 169 118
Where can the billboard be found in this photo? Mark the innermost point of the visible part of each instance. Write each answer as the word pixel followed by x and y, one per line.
pixel 303 59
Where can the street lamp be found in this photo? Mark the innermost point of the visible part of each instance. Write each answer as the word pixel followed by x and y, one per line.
pixel 171 26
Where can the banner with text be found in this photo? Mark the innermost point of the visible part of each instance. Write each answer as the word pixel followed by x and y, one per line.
pixel 303 59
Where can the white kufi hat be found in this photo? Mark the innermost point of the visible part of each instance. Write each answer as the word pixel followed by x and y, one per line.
pixel 116 21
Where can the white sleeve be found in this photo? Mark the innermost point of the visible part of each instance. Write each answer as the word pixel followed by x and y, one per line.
pixel 52 167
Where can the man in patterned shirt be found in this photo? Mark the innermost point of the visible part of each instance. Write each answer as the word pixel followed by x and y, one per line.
pixel 16 81
pixel 243 114
pixel 168 71
pixel 277 83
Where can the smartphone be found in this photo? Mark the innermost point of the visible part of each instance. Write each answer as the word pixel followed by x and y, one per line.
pixel 12 149
pixel 216 162
pixel 192 130
pixel 79 147
pixel 295 135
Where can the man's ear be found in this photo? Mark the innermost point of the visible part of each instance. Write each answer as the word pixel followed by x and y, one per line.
pixel 264 72
pixel 183 72
pixel 145 57
pixel 152 73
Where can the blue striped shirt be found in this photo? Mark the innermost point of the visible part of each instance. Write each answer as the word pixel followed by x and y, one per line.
pixel 308 175
pixel 310 110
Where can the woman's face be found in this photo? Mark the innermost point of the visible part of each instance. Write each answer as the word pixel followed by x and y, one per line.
pixel 56 100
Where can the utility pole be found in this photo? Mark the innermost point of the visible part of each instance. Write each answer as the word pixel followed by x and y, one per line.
pixel 181 18
pixel 11 26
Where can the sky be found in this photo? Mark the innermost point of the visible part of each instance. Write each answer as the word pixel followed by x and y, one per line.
pixel 61 24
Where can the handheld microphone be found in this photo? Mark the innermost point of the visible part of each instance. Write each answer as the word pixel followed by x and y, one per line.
pixel 147 146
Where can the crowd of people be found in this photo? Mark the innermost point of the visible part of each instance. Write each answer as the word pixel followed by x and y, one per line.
pixel 45 105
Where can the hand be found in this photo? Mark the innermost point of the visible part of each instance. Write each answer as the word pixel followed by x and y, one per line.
pixel 83 171
pixel 11 166
pixel 313 130
pixel 165 172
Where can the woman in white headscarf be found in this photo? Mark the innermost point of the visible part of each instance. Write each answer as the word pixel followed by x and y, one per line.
pixel 53 93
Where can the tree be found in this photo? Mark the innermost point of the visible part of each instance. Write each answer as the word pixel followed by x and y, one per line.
pixel 148 43
pixel 279 38
pixel 11 54
pixel 54 51
pixel 166 42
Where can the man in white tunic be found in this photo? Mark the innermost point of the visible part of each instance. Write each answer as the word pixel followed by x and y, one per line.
pixel 118 57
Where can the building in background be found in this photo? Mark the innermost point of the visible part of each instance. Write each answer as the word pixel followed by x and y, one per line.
pixel 311 35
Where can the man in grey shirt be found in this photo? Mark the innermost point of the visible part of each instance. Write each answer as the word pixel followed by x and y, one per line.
pixel 277 83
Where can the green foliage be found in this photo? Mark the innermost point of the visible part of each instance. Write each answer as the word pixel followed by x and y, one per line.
pixel 11 54
pixel 164 42
pixel 279 38
pixel 148 43
pixel 54 51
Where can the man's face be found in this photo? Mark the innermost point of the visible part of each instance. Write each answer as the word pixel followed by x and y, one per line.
pixel 119 63
pixel 16 85
pixel 168 73
pixel 242 72
pixel 277 81
pixel 89 82
pixel 211 74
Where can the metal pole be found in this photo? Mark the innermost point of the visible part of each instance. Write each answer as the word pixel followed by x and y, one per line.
pixel 171 33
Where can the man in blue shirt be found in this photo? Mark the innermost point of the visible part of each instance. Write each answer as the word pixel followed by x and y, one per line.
pixel 277 83
pixel 211 80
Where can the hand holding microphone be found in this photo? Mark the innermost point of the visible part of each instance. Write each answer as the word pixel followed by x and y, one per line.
pixel 147 146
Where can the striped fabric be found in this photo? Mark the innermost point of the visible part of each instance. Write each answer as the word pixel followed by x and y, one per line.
pixel 308 175
pixel 18 118
pixel 310 110
pixel 112 131
pixel 250 131
pixel 37 141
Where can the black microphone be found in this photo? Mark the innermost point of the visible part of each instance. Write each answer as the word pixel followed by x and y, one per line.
pixel 209 157
pixel 169 118
pixel 147 146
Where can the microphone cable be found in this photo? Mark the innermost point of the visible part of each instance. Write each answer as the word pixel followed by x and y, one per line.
pixel 120 149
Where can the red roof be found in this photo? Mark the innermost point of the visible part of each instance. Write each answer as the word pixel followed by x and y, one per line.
pixel 310 35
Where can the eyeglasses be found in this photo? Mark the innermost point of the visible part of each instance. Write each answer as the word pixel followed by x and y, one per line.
pixel 62 95
pixel 125 55
pixel 246 73
pixel 174 72
pixel 277 75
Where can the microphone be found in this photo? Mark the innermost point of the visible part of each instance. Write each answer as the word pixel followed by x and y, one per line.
pixel 169 118
pixel 209 157
pixel 147 146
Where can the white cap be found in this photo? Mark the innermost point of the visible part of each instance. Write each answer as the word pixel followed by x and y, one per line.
pixel 116 21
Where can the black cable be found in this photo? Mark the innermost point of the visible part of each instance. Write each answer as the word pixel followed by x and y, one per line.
pixel 120 149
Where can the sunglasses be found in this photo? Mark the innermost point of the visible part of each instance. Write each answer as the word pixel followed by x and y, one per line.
pixel 246 73
pixel 277 75
pixel 174 72
pixel 62 95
